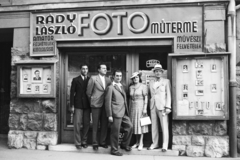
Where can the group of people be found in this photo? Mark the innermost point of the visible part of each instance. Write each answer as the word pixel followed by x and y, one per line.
pixel 107 100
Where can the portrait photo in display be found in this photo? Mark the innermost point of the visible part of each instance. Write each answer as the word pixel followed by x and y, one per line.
pixel 218 106
pixel 25 77
pixel 37 89
pixel 185 68
pixel 29 87
pixel 45 88
pixel 37 75
pixel 199 92
pixel 213 68
pixel 213 87
pixel 199 82
pixel 185 88
pixel 199 74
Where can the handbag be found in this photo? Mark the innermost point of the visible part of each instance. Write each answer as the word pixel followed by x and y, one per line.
pixel 144 121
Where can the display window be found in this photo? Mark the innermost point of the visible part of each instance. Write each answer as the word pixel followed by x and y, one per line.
pixel 200 86
pixel 36 79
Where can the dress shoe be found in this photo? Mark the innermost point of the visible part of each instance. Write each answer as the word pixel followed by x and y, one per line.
pixel 151 148
pixel 164 150
pixel 135 145
pixel 140 147
pixel 84 145
pixel 127 148
pixel 116 153
pixel 95 148
pixel 78 146
pixel 103 145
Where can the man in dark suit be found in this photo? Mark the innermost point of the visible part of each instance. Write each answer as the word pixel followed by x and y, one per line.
pixel 96 92
pixel 80 107
pixel 118 114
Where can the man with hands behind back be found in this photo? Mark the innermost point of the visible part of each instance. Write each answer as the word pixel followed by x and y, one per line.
pixel 118 114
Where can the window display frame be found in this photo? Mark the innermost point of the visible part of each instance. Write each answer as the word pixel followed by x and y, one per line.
pixel 36 68
pixel 224 92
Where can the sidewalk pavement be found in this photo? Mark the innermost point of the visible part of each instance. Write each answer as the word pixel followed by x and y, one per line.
pixel 25 154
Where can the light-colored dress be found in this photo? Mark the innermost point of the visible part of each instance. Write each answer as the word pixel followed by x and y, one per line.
pixel 136 105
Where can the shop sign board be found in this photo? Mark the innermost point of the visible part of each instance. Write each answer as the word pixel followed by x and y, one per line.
pixel 184 24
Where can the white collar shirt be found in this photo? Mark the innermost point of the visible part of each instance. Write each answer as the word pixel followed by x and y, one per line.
pixel 83 77
pixel 118 84
pixel 156 84
pixel 103 80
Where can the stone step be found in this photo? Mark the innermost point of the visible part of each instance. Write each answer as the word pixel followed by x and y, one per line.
pixel 144 151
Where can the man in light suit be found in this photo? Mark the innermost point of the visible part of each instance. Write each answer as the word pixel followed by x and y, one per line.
pixel 160 106
pixel 118 114
pixel 96 93
pixel 79 105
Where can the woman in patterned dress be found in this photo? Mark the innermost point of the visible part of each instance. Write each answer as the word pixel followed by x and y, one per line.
pixel 138 107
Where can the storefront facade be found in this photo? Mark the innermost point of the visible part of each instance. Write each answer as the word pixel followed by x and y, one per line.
pixel 56 38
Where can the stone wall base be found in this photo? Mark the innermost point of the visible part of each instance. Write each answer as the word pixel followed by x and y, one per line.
pixel 31 139
pixel 200 146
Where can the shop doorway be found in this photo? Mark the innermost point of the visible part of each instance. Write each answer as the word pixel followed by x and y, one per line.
pixel 6 43
pixel 113 59
pixel 127 59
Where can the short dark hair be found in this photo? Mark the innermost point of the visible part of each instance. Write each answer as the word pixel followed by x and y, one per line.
pixel 81 65
pixel 114 73
pixel 99 65
pixel 36 71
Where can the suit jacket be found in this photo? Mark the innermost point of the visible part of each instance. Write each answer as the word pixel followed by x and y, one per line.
pixel 161 96
pixel 116 102
pixel 35 78
pixel 96 92
pixel 78 96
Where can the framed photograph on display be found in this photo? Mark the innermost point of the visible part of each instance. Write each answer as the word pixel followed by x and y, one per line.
pixel 185 88
pixel 40 80
pixel 185 95
pixel 199 92
pixel 218 106
pixel 213 68
pixel 199 64
pixel 45 88
pixel 185 68
pixel 37 75
pixel 25 78
pixel 29 87
pixel 48 78
pixel 199 83
pixel 213 87
pixel 199 74
pixel 37 89
pixel 199 112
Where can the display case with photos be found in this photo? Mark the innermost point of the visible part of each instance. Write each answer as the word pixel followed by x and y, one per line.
pixel 200 86
pixel 36 79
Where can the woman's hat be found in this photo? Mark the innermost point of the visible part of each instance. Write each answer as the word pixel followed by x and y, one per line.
pixel 158 67
pixel 135 74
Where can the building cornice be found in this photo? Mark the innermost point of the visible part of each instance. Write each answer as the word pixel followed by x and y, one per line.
pixel 102 3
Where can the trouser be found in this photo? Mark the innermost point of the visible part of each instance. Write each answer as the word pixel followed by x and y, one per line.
pixel 157 115
pixel 81 116
pixel 99 115
pixel 127 126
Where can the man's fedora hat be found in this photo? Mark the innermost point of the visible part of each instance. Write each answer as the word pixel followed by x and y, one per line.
pixel 135 74
pixel 158 67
